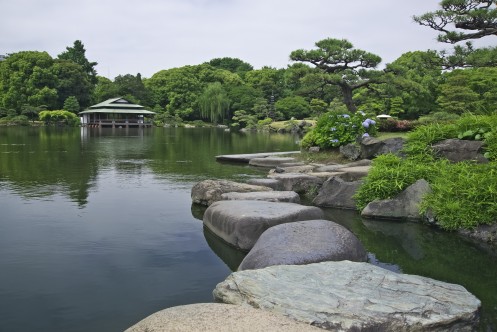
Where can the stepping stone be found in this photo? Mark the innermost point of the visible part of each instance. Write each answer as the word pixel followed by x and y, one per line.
pixel 218 317
pixel 241 223
pixel 209 191
pixel 304 242
pixel 352 296
pixel 268 196
pixel 271 161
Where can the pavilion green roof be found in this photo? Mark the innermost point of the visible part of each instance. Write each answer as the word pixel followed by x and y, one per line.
pixel 117 105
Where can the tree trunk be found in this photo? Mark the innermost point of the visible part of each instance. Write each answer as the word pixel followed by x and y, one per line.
pixel 347 97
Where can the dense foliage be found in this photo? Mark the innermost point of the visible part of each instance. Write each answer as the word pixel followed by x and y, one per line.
pixel 334 129
pixel 333 76
pixel 464 194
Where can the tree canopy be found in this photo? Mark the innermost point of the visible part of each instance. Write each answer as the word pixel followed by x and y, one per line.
pixel 343 65
pixel 459 20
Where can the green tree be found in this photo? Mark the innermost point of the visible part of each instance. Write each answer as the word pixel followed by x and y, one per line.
pixel 233 65
pixel 31 112
pixel 26 78
pixel 469 90
pixel 318 107
pixel 243 97
pixel 459 20
pixel 132 88
pixel 105 89
pixel 214 102
pixel 268 80
pixel 77 54
pixel 177 90
pixel 71 104
pixel 293 107
pixel 71 81
pixel 59 117
pixel 343 65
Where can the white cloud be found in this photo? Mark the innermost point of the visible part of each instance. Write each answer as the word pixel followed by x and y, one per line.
pixel 150 35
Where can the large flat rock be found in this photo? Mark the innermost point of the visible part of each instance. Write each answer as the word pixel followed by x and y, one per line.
pixel 271 161
pixel 218 317
pixel 304 242
pixel 298 182
pixel 245 158
pixel 241 223
pixel 268 196
pixel 209 191
pixel 351 296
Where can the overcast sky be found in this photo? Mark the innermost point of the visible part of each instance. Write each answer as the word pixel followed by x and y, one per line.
pixel 145 36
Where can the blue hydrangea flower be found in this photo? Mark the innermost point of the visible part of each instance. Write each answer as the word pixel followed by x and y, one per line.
pixel 365 135
pixel 365 124
pixel 334 140
pixel 346 116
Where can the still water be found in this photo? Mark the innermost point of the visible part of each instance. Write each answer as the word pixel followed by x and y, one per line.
pixel 97 229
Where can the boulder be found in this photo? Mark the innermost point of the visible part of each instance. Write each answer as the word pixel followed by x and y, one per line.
pixel 241 223
pixel 271 161
pixel 208 191
pixel 245 158
pixel 370 147
pixel 404 206
pixel 354 173
pixel 351 151
pixel 297 182
pixel 268 196
pixel 217 317
pixel 392 145
pixel 459 150
pixel 304 242
pixel 271 183
pixel 352 296
pixel 337 193
pixel 295 169
pixel 337 167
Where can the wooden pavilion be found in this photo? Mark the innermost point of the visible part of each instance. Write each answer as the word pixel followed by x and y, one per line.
pixel 116 113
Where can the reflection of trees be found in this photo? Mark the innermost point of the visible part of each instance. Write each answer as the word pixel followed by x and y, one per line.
pixel 46 161
pixel 186 151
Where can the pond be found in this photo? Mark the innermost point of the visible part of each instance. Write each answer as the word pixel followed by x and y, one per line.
pixel 97 229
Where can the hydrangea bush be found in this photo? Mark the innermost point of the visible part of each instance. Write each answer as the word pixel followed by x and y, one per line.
pixel 334 129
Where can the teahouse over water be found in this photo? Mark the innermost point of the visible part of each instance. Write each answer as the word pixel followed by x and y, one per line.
pixel 116 112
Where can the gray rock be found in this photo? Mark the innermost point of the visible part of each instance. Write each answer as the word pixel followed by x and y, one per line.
pixel 337 167
pixel 351 296
pixel 271 161
pixel 297 182
pixel 404 206
pixel 459 150
pixel 370 147
pixel 208 191
pixel 304 242
pixel 217 317
pixel 354 173
pixel 271 183
pixel 295 169
pixel 337 193
pixel 392 145
pixel 314 149
pixel 483 233
pixel 245 158
pixel 241 223
pixel 325 175
pixel 351 151
pixel 268 196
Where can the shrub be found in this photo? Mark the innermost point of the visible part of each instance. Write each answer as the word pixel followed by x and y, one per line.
pixel 394 125
pixel 440 117
pixel 464 194
pixel 334 129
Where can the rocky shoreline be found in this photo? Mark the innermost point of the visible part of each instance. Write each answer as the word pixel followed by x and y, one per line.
pixel 308 269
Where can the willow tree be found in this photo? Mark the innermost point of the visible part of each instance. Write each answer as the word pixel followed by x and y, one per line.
pixel 459 20
pixel 214 102
pixel 341 65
